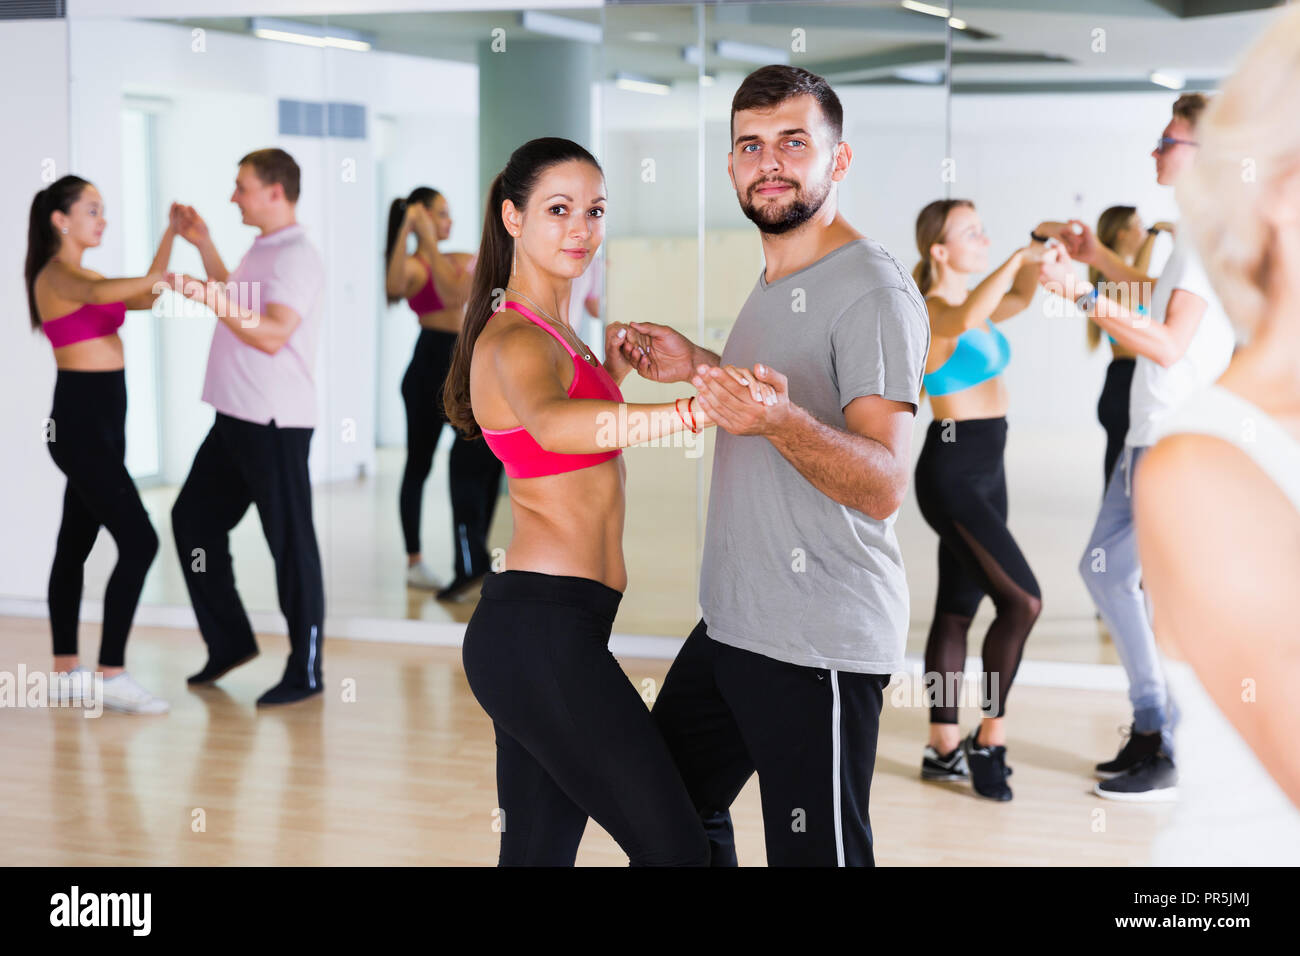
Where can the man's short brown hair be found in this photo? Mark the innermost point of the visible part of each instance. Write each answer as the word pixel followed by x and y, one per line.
pixel 769 86
pixel 1190 106
pixel 274 165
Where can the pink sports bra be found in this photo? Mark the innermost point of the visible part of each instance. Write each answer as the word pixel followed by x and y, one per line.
pixel 88 322
pixel 520 453
pixel 427 299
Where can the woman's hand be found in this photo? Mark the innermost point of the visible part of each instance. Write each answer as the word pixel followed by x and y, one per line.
pixel 617 363
pixel 1080 242
pixel 422 223
pixel 1033 253
pixel 727 399
pixel 760 392
pixel 189 224
pixel 1056 273
pixel 210 292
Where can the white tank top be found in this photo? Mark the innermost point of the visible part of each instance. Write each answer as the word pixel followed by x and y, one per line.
pixel 1231 811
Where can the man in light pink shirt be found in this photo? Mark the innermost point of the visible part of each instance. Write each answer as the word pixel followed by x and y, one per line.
pixel 260 381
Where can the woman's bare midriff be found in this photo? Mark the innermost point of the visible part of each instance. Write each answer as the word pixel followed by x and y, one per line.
pixel 571 524
pixel 103 354
pixel 986 400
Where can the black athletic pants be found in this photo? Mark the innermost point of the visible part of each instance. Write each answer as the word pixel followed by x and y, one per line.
pixel 809 733
pixel 87 441
pixel 239 464
pixel 573 737
pixel 961 488
pixel 1112 410
pixel 474 472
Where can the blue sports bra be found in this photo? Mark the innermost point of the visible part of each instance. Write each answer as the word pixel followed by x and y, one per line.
pixel 978 357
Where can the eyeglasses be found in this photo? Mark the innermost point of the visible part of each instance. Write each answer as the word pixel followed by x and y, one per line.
pixel 1164 142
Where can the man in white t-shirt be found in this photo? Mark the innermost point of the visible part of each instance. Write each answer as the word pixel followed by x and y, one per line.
pixel 1183 347
pixel 261 382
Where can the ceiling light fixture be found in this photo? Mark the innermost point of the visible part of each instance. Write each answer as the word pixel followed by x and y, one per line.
pixel 563 27
pixel 310 34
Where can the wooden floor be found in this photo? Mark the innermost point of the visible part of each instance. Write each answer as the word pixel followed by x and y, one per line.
pixel 404 773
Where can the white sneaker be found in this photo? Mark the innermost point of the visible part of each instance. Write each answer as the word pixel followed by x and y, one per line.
pixel 124 694
pixel 71 687
pixel 419 576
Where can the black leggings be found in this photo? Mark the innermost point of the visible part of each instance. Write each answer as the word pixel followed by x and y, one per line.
pixel 962 490
pixel 574 739
pixel 474 472
pixel 88 443
pixel 1112 410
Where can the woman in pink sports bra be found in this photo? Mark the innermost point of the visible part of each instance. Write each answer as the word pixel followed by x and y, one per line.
pixel 574 738
pixel 435 285
pixel 80 311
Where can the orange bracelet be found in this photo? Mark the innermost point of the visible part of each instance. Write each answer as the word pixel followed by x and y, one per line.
pixel 695 428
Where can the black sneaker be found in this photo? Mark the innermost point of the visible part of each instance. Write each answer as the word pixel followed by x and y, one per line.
pixel 215 669
pixel 988 768
pixel 1136 749
pixel 288 692
pixel 937 766
pixel 1151 780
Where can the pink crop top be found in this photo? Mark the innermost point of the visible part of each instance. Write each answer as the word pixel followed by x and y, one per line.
pixel 520 453
pixel 88 322
pixel 427 299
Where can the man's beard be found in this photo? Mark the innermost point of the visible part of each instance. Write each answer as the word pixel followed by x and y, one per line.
pixel 774 220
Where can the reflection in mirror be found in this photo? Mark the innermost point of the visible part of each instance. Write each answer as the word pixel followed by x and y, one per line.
pixel 1054 118
pixel 372 107
pixel 162 112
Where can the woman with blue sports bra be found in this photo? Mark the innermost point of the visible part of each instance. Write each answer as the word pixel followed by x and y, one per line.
pixel 962 492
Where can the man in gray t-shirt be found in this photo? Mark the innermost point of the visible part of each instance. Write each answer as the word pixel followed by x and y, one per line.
pixel 803 593
pixel 788 571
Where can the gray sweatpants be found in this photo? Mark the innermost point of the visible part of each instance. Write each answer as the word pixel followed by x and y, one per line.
pixel 1112 573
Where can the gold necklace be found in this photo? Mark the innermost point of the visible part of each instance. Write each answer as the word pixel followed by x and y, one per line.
pixel 585 354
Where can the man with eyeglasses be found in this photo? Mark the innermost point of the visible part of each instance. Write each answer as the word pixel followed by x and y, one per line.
pixel 1183 345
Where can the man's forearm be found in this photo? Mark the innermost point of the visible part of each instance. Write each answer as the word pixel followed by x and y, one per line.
pixel 1136 333
pixel 853 470
pixel 252 328
pixel 704 356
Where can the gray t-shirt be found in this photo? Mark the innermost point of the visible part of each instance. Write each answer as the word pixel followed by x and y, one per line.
pixel 789 572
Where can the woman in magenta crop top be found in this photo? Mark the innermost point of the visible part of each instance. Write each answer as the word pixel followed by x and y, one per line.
pixel 574 739
pixel 435 285
pixel 961 485
pixel 80 311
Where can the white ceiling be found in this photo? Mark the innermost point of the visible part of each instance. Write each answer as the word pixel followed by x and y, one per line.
pixel 1050 43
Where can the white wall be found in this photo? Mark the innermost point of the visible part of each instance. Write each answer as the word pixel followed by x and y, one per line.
pixel 33 487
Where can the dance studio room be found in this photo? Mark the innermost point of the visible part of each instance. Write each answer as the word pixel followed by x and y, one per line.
pixel 454 433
